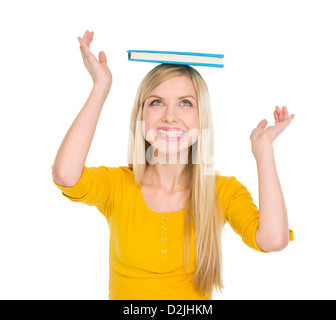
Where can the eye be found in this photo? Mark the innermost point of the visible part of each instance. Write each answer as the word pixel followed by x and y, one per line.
pixel 189 103
pixel 154 104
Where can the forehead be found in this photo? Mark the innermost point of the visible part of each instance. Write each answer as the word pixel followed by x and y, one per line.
pixel 176 86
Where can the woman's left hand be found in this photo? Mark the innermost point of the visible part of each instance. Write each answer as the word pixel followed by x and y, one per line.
pixel 261 137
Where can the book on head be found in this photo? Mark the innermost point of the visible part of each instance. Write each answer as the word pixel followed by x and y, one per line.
pixel 176 57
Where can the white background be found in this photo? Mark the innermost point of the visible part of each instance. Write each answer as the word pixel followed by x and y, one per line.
pixel 276 53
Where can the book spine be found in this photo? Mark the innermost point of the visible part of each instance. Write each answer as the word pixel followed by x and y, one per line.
pixel 177 62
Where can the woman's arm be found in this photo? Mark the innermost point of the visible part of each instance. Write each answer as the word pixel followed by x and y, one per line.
pixel 72 153
pixel 70 158
pixel 273 232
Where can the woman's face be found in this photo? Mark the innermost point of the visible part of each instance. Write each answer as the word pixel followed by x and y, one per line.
pixel 170 110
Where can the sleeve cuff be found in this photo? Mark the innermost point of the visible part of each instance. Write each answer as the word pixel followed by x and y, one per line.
pixel 291 235
pixel 79 189
pixel 249 236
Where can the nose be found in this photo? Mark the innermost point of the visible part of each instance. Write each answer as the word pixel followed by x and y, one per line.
pixel 170 113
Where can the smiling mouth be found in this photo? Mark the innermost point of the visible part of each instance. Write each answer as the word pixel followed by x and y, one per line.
pixel 171 135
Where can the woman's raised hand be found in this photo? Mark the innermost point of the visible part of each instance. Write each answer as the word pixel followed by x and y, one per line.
pixel 262 137
pixel 98 69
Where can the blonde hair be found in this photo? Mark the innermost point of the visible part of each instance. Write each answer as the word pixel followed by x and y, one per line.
pixel 202 212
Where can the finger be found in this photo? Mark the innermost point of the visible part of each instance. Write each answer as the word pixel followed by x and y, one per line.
pixel 83 55
pixel 287 121
pixel 262 124
pixel 91 37
pixel 102 58
pixel 278 110
pixel 87 38
pixel 285 113
pixel 276 117
pixel 84 47
pixel 86 34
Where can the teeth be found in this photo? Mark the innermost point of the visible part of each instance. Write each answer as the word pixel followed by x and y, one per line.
pixel 170 133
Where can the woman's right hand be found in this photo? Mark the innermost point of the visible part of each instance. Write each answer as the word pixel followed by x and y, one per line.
pixel 99 71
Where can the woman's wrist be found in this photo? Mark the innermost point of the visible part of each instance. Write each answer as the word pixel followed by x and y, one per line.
pixel 103 87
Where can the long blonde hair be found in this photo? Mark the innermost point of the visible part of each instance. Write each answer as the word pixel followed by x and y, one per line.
pixel 202 212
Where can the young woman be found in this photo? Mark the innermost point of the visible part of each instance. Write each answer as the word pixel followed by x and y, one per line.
pixel 167 208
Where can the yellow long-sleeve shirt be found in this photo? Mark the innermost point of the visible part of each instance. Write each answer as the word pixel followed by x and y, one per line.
pixel 146 247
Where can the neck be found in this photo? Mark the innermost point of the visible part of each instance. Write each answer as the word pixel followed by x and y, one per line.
pixel 168 175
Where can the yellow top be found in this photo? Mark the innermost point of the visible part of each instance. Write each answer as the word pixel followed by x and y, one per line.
pixel 146 247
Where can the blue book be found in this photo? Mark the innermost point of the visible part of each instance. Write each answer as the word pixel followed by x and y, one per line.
pixel 176 57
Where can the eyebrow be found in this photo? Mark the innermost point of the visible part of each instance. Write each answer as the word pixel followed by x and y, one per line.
pixel 183 97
